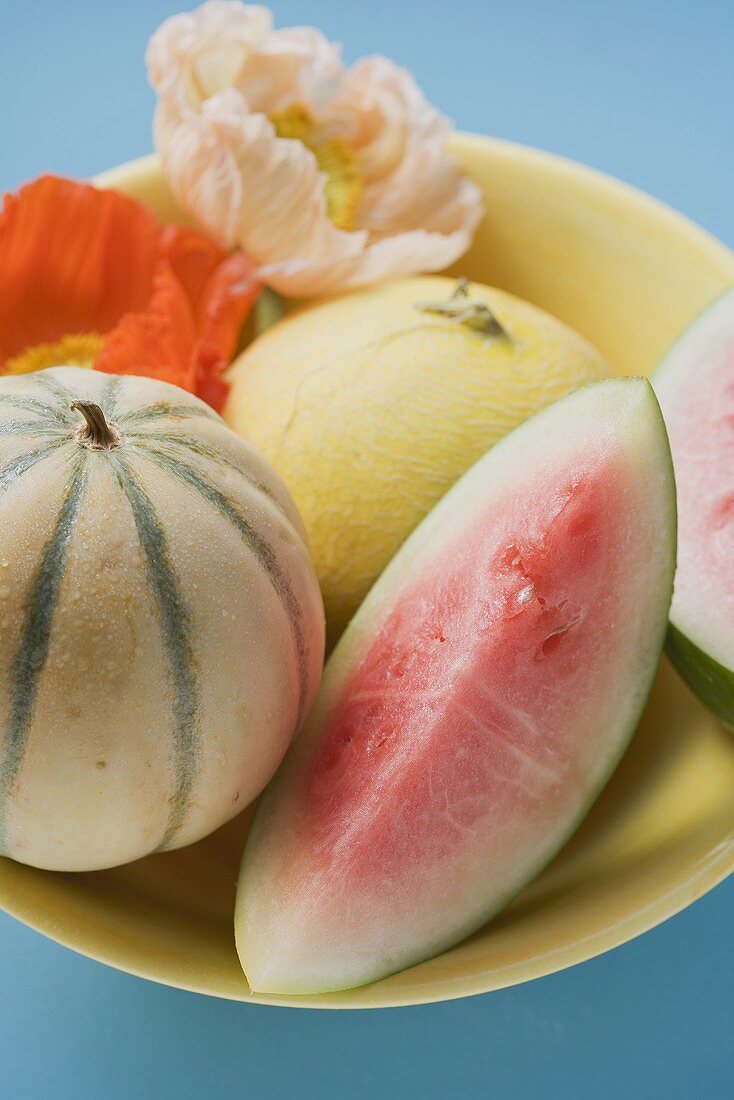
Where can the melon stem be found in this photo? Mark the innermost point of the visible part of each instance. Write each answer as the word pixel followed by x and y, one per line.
pixel 464 310
pixel 95 432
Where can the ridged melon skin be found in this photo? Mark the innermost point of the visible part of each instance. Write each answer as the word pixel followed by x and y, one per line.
pixel 162 627
pixel 288 940
pixel 701 360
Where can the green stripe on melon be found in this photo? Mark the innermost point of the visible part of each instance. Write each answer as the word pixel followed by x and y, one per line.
pixel 21 464
pixel 695 387
pixel 259 546
pixel 476 705
pixel 57 389
pixel 33 651
pixel 166 410
pixel 172 446
pixel 162 624
pixel 29 428
pixel 176 628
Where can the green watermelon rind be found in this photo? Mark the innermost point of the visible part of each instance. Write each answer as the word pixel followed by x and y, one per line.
pixel 710 680
pixel 350 646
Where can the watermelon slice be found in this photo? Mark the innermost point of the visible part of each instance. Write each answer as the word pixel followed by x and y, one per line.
pixel 695 387
pixel 477 703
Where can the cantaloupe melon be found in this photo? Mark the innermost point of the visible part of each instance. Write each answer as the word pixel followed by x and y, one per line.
pixel 162 628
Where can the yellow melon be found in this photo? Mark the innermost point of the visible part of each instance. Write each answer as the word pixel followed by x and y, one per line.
pixel 372 404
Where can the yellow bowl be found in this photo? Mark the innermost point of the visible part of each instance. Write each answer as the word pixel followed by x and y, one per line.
pixel 629 274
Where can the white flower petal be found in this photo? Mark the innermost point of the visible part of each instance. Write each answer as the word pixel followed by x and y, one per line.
pixel 196 54
pixel 247 186
pixel 222 71
pixel 402 254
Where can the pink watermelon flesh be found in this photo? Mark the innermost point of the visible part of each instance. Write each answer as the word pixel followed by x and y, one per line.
pixel 695 386
pixel 479 699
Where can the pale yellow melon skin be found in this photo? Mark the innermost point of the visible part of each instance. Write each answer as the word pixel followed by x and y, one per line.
pixel 370 410
pixel 98 776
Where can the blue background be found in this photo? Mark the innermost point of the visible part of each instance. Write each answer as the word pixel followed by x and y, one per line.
pixel 643 90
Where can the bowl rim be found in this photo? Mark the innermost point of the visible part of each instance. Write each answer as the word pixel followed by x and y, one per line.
pixel 516 151
pixel 703 878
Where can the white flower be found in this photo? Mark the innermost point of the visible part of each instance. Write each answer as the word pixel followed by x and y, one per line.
pixel 327 177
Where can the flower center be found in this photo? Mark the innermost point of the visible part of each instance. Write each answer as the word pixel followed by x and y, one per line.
pixel 335 159
pixel 70 351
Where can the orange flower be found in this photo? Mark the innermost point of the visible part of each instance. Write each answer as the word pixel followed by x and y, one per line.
pixel 88 277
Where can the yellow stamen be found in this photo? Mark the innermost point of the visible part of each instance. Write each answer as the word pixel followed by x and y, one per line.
pixel 335 159
pixel 70 351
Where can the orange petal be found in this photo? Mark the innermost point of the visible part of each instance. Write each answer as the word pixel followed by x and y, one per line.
pixel 209 384
pixel 72 259
pixel 192 256
pixel 158 342
pixel 225 302
pixel 222 289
